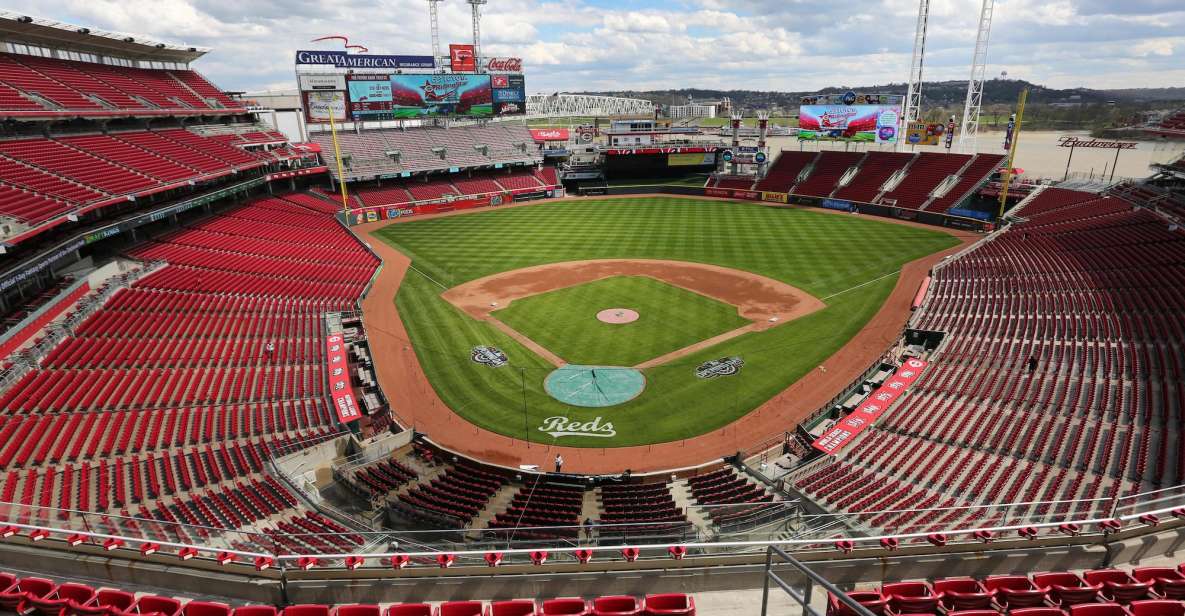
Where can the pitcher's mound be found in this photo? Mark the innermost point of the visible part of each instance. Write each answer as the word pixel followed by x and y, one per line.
pixel 617 316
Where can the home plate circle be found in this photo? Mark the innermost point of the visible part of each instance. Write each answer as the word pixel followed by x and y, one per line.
pixel 617 316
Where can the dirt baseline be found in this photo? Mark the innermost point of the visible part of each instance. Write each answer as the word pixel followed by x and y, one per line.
pixel 417 406
pixel 757 298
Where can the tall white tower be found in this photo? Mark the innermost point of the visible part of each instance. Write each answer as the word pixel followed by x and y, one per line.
pixel 969 134
pixel 476 4
pixel 434 23
pixel 913 96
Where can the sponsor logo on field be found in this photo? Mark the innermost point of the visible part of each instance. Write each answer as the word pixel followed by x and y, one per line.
pixel 559 426
pixel 489 356
pixel 725 366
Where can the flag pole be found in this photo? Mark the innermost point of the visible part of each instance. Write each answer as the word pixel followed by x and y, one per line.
pixel 1020 114
pixel 337 152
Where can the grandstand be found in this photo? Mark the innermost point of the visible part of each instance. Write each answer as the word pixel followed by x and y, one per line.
pixel 375 153
pixel 923 181
pixel 1059 381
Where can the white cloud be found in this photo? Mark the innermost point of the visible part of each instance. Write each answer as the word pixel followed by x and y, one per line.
pixel 571 45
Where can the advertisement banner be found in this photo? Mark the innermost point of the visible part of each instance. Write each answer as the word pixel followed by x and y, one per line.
pixel 322 82
pixel 370 97
pixel 319 105
pixel 730 193
pixel 542 135
pixel 506 95
pixel 462 59
pixel 344 402
pixel 503 65
pixel 853 123
pixel 341 59
pixel 428 95
pixel 510 109
pixel 690 160
pixel 775 197
pixel 921 133
pixel 871 409
pixel 836 204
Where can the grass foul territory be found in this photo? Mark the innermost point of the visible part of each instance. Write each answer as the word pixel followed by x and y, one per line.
pixel 850 261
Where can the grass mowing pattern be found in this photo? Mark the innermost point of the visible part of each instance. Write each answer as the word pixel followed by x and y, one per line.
pixel 826 255
pixel 565 321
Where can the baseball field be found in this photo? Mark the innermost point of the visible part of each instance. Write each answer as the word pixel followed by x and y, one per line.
pixel 771 291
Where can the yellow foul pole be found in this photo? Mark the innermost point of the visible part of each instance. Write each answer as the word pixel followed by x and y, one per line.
pixel 337 153
pixel 1020 114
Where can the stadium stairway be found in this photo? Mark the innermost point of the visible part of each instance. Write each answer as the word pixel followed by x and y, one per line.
pixel 684 500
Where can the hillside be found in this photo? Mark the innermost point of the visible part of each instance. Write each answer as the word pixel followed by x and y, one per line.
pixel 934 94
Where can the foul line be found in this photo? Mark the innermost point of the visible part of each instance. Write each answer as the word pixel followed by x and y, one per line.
pixel 862 284
pixel 416 270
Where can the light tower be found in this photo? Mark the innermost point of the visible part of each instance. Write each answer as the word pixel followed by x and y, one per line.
pixel 476 5
pixel 434 24
pixel 913 95
pixel 969 133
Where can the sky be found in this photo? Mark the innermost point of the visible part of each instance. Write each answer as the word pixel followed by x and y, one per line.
pixel 591 45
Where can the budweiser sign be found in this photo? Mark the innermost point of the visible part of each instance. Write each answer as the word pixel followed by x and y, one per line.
pixel 1070 141
pixel 504 65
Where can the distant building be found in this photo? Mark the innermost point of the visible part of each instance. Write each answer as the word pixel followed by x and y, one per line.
pixel 691 111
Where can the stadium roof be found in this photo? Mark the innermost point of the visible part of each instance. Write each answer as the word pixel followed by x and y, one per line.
pixel 18 28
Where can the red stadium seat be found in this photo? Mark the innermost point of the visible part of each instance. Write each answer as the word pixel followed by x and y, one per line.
pixel 962 594
pixel 1037 611
pixel 870 599
pixel 460 608
pixel 1166 581
pixel 616 605
pixel 157 606
pixel 1098 609
pixel 411 609
pixel 205 608
pixel 1013 591
pixel 62 598
pixel 306 610
pixel 564 607
pixel 107 603
pixel 670 604
pixel 14 598
pixel 1157 607
pixel 911 597
pixel 973 613
pixel 519 607
pixel 1066 589
pixel 255 610
pixel 357 610
pixel 1119 586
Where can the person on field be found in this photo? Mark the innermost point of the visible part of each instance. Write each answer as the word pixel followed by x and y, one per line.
pixel 559 463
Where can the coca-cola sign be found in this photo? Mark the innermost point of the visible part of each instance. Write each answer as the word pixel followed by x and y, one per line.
pixel 504 65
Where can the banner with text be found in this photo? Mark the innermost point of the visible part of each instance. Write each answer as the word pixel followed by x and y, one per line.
pixel 340 389
pixel 871 409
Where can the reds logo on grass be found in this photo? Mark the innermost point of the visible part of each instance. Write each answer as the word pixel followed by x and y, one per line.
pixel 725 366
pixel 489 356
pixel 559 426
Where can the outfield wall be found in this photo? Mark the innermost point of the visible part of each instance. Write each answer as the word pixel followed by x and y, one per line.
pixel 937 219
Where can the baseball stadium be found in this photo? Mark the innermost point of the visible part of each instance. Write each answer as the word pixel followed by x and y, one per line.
pixel 407 340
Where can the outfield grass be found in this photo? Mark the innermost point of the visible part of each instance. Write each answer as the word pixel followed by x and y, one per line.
pixel 848 262
pixel 565 321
